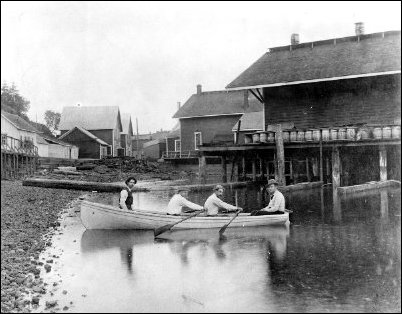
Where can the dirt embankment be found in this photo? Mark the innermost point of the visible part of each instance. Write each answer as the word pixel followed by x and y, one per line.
pixel 117 169
pixel 27 213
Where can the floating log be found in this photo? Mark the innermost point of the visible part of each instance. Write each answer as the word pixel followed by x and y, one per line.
pixel 368 186
pixel 79 185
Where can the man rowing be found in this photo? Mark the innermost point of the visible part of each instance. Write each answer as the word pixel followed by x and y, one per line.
pixel 126 195
pixel 178 201
pixel 276 203
pixel 214 203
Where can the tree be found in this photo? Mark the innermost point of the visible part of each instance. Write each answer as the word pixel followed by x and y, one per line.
pixel 13 102
pixel 52 119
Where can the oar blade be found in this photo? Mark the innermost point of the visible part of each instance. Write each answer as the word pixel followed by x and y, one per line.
pixel 162 229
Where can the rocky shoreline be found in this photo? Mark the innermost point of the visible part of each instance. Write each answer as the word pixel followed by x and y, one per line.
pixel 29 218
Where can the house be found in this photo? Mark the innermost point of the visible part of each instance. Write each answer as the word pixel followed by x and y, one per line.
pixel 208 117
pixel 49 146
pixel 154 149
pixel 104 122
pixel 249 122
pixel 126 137
pixel 144 138
pixel 15 127
pixel 173 142
pixel 340 100
pixel 89 145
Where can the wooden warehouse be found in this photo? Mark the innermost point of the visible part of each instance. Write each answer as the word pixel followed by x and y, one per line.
pixel 331 113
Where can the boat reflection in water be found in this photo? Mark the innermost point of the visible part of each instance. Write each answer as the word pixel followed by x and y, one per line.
pixel 94 241
pixel 274 239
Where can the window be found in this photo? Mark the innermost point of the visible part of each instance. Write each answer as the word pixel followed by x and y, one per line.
pixel 3 139
pixel 197 140
pixel 109 151
pixel 177 145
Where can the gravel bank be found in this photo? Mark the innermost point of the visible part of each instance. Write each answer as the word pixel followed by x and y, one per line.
pixel 27 214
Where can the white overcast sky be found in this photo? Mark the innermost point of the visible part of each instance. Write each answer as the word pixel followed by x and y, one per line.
pixel 145 57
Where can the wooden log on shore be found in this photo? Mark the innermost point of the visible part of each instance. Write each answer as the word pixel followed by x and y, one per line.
pixel 68 172
pixel 79 185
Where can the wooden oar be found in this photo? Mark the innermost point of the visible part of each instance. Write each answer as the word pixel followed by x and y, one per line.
pixel 222 230
pixel 165 228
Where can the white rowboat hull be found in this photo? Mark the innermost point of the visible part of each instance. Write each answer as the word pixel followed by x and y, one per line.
pixel 101 216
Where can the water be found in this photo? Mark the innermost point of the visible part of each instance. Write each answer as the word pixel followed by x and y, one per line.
pixel 340 254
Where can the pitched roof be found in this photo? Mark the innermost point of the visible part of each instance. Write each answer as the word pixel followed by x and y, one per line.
pixel 323 60
pixel 53 140
pixel 90 117
pixel 250 121
pixel 87 133
pixel 19 122
pixel 216 103
pixel 126 124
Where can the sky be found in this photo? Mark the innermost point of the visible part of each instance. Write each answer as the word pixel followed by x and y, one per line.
pixel 146 56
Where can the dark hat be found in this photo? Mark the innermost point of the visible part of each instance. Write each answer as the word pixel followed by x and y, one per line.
pixel 272 181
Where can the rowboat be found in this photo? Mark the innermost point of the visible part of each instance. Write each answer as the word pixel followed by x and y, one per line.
pixel 102 216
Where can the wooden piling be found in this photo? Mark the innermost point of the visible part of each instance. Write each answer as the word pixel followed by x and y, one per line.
pixel 336 174
pixel 224 169
pixel 321 159
pixel 280 155
pixel 243 160
pixel 202 169
pixel 254 169
pixel 307 170
pixel 383 163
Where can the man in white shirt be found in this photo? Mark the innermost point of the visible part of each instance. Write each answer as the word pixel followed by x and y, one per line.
pixel 178 201
pixel 213 203
pixel 276 203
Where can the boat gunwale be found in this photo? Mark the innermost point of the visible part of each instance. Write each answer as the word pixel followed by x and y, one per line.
pixel 150 215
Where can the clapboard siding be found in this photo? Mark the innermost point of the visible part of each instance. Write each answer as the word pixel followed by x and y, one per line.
pixel 208 126
pixel 375 100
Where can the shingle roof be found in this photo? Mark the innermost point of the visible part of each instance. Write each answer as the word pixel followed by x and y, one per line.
pixel 19 122
pixel 90 117
pixel 250 121
pixel 86 132
pixel 126 124
pixel 216 103
pixel 53 140
pixel 333 58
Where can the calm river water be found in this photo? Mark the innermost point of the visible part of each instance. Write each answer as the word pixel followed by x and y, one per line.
pixel 339 254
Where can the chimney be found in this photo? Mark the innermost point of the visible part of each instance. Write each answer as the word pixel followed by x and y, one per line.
pixel 359 28
pixel 199 89
pixel 294 39
pixel 178 105
pixel 245 100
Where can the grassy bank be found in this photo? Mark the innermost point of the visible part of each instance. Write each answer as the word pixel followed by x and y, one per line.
pixel 27 213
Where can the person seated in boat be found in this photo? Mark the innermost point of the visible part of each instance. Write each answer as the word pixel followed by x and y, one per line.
pixel 214 203
pixel 276 203
pixel 126 195
pixel 178 201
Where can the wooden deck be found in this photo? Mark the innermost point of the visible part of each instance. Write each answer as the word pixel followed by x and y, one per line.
pixel 18 158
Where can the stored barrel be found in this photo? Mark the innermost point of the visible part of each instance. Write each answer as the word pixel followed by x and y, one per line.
pixel 300 136
pixel 325 134
pixel 308 135
pixel 263 137
pixel 396 131
pixel 334 134
pixel 341 134
pixel 386 132
pixel 377 133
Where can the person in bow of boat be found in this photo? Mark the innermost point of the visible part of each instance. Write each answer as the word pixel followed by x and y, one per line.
pixel 178 201
pixel 276 203
pixel 126 195
pixel 214 203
